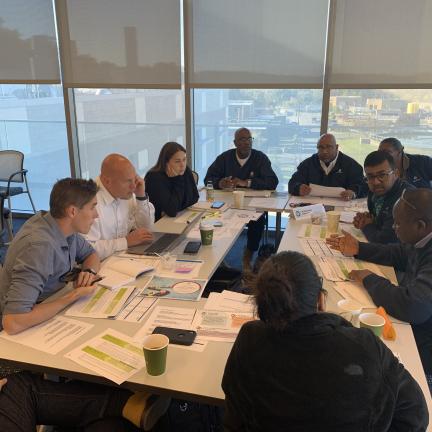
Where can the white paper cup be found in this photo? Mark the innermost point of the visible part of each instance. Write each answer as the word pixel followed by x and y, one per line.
pixel 238 199
pixel 350 310
pixel 333 218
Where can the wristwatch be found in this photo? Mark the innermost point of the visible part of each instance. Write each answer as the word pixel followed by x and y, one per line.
pixel 249 182
pixel 90 270
pixel 143 198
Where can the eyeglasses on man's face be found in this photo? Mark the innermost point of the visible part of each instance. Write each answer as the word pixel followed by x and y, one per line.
pixel 245 139
pixel 380 176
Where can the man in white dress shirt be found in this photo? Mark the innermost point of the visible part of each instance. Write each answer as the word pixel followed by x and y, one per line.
pixel 126 215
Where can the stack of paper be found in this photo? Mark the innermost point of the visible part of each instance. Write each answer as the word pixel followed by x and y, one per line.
pixel 230 301
pixel 354 291
pixel 338 269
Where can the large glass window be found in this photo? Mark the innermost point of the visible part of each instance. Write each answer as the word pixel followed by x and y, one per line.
pixel 284 123
pixel 32 121
pixel 134 123
pixel 360 119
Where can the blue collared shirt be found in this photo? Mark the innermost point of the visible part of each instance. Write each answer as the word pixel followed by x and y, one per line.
pixel 36 259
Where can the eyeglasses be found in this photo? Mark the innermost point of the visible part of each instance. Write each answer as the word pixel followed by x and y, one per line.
pixel 402 198
pixel 245 139
pixel 380 177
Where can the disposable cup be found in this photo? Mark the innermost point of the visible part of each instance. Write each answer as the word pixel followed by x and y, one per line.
pixel 155 347
pixel 333 218
pixel 238 199
pixel 350 310
pixel 373 322
pixel 206 231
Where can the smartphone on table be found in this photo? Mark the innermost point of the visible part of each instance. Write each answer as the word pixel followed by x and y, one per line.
pixel 192 247
pixel 177 336
pixel 217 205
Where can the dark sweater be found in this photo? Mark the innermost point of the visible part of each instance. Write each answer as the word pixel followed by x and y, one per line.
pixel 419 170
pixel 346 173
pixel 171 194
pixel 257 168
pixel 411 301
pixel 381 230
pixel 320 375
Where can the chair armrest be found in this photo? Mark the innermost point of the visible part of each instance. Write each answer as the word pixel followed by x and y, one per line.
pixel 23 172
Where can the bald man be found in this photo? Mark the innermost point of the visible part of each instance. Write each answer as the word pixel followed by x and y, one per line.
pixel 244 167
pixel 329 167
pixel 411 300
pixel 125 214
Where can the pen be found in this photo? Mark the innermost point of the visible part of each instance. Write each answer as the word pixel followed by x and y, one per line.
pixel 191 218
pixel 192 261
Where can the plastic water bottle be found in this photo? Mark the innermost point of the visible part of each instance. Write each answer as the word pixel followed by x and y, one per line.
pixel 210 191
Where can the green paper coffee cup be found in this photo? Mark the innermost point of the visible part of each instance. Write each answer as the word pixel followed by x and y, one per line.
pixel 155 349
pixel 373 322
pixel 206 231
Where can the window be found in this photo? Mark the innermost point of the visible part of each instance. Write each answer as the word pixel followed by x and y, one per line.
pixel 32 121
pixel 360 119
pixel 284 123
pixel 134 123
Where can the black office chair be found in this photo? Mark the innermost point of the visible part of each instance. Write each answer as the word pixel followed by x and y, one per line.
pixel 12 171
pixel 195 175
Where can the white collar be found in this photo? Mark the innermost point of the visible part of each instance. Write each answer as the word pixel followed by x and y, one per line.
pixel 327 169
pixel 105 196
pixel 421 243
pixel 243 161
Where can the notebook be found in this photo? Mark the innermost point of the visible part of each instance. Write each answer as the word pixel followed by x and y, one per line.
pixel 117 272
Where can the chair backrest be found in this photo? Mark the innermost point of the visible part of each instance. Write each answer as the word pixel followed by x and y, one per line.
pixel 2 219
pixel 11 161
pixel 195 176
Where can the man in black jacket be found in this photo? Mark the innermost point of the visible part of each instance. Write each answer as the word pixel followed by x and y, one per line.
pixel 329 167
pixel 415 169
pixel 244 167
pixel 385 188
pixel 411 300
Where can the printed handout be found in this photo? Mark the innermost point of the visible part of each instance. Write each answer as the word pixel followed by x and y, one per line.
pixel 52 336
pixel 220 326
pixel 354 291
pixel 104 303
pixel 174 289
pixel 111 354
pixel 173 317
pixel 338 269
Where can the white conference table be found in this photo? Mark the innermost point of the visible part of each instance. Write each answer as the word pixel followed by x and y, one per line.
pixel 190 375
pixel 404 344
pixel 276 202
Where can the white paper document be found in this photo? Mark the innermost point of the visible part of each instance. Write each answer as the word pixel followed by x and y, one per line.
pixel 104 303
pixel 325 191
pixel 357 205
pixel 111 354
pixel 172 317
pixel 312 247
pixel 230 301
pixel 354 291
pixel 51 336
pixel 319 232
pixel 220 326
pixel 119 271
pixel 136 309
pixel 347 216
pixel 338 269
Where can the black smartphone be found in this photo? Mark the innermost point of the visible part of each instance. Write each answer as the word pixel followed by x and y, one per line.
pixel 177 336
pixel 217 205
pixel 192 247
